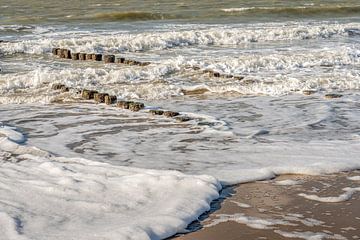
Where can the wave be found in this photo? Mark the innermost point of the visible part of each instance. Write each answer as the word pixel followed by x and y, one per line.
pixel 297 10
pixel 268 74
pixel 122 42
pixel 135 16
pixel 24 29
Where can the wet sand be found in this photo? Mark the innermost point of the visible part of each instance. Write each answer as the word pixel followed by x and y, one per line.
pixel 267 210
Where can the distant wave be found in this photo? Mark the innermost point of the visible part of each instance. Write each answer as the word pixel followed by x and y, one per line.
pixel 17 28
pixel 24 29
pixel 297 10
pixel 135 16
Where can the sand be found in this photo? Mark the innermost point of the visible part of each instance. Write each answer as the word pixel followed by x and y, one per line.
pixel 268 210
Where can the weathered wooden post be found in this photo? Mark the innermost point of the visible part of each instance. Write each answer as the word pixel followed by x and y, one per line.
pixel 82 56
pixel 66 53
pixel 110 99
pixel 136 106
pixel 100 97
pixel 120 60
pixel 123 104
pixel 96 57
pixel 75 56
pixel 89 56
pixel 55 51
pixel 109 58
pixel 88 94
pixel 156 112
pixel 171 114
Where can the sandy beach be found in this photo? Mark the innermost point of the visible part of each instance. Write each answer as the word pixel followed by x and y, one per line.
pixel 274 210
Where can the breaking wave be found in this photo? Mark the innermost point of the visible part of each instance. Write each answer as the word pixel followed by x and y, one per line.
pixel 130 42
pixel 135 16
pixel 296 11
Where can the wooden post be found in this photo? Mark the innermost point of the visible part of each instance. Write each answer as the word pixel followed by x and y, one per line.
pixel 88 94
pixel 110 99
pixel 75 56
pixel 100 97
pixel 55 51
pixel 66 54
pixel 136 106
pixel 120 60
pixel 89 56
pixel 82 56
pixel 109 58
pixel 60 52
pixel 97 57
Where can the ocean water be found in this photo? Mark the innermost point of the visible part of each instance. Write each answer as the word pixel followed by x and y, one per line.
pixel 74 169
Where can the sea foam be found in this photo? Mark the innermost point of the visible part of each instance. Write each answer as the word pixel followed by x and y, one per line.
pixel 236 35
pixel 77 197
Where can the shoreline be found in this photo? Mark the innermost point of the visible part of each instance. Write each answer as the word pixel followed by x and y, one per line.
pixel 273 209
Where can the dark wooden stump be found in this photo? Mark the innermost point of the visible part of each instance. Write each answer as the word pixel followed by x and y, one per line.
pixel 123 104
pixel 55 51
pixel 136 106
pixel 97 57
pixel 75 56
pixel 60 52
pixel 66 54
pixel 333 95
pixel 214 74
pixel 239 77
pixel 88 94
pixel 89 56
pixel 109 58
pixel 100 97
pixel 156 112
pixel 110 100
pixel 120 60
pixel 57 86
pixel 182 119
pixel 82 56
pixel 171 114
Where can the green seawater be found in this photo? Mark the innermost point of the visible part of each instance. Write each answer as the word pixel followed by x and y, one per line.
pixel 89 11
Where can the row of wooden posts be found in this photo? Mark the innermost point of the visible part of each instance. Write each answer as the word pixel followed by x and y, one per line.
pixel 107 58
pixel 130 105
pixel 110 58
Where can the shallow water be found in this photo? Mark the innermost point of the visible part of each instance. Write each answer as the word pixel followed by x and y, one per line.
pixel 252 126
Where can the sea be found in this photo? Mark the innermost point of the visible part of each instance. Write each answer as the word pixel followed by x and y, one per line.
pixel 263 88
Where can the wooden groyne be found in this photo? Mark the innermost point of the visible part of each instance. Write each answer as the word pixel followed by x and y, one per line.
pixel 106 58
pixel 100 97
pixel 110 58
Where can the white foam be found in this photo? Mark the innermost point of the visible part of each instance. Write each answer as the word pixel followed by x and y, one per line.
pixel 309 235
pixel 77 197
pixel 310 222
pixel 242 9
pixel 242 205
pixel 236 35
pixel 341 198
pixel 164 80
pixel 9 229
pixel 253 222
pixel 354 178
pixel 12 134
pixel 245 9
pixel 288 182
